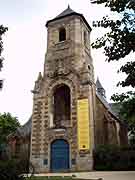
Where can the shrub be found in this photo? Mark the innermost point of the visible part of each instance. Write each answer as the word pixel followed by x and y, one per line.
pixel 114 158
pixel 9 171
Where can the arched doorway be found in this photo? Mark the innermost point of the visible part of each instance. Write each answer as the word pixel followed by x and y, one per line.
pixel 61 108
pixel 59 155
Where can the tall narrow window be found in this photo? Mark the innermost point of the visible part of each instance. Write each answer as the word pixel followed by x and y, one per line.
pixel 85 37
pixel 62 34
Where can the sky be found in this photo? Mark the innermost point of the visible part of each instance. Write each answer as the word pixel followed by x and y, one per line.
pixel 25 48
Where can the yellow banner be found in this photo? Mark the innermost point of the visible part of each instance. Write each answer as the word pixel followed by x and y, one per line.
pixel 83 124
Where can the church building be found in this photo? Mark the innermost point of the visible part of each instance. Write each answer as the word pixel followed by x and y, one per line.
pixel 71 116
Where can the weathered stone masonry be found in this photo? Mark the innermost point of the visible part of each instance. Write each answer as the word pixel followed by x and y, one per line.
pixel 68 65
pixel 62 138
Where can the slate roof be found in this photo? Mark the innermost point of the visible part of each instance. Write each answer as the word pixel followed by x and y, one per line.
pixel 69 12
pixel 107 105
pixel 115 107
pixel 98 84
pixel 102 98
pixel 26 128
pixel 23 131
pixel 66 12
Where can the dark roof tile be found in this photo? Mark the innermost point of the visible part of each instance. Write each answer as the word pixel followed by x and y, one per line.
pixel 65 12
pixel 69 12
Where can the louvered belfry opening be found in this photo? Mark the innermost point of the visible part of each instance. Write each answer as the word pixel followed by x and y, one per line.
pixel 61 106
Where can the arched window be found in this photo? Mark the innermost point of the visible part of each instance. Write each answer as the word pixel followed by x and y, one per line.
pixel 61 106
pixel 62 34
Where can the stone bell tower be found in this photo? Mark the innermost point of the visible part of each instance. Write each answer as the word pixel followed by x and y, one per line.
pixel 62 136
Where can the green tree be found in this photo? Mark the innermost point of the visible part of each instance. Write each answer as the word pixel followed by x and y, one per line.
pixel 127 110
pixel 117 43
pixel 8 124
pixel 2 31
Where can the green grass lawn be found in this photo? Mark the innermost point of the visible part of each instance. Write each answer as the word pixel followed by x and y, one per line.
pixel 56 178
pixel 51 178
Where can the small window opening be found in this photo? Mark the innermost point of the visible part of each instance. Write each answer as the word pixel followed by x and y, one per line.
pixel 89 67
pixel 62 34
pixel 85 37
pixel 45 161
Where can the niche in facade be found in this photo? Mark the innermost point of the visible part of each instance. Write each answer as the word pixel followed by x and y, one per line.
pixel 61 106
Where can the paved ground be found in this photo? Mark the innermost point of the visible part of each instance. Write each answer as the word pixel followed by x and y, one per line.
pixel 115 175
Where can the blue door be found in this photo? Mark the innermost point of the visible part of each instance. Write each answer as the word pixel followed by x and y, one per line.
pixel 59 155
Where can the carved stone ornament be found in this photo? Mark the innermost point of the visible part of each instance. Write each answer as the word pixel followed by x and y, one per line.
pixel 59 68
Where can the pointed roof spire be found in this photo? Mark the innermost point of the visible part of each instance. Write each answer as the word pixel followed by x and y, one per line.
pixel 69 12
pixel 39 76
pixel 66 12
pixel 68 6
pixel 98 84
pixel 100 88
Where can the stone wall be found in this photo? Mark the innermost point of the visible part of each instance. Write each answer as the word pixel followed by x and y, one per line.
pixel 68 63
pixel 106 129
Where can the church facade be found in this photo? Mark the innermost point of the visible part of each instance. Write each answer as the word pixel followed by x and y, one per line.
pixel 71 116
